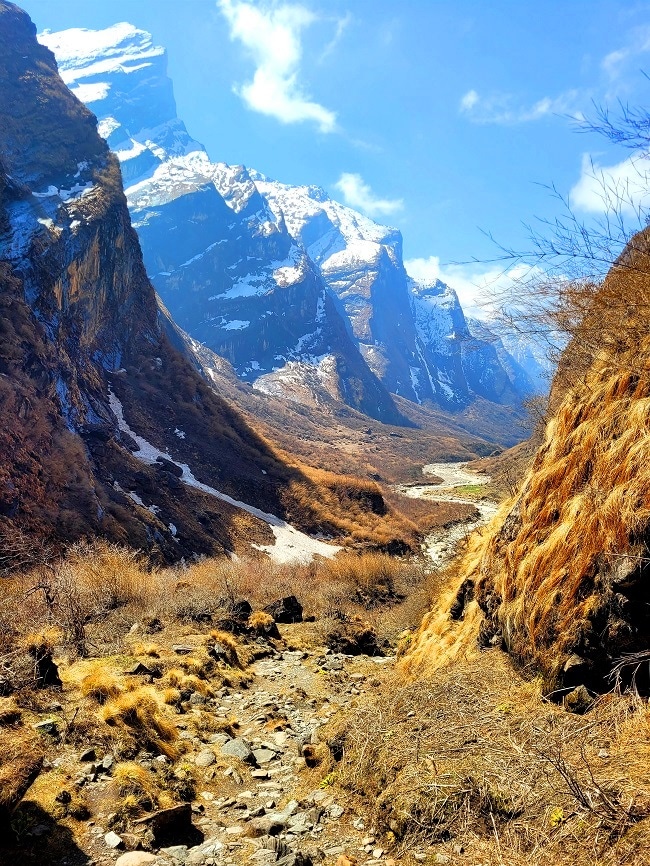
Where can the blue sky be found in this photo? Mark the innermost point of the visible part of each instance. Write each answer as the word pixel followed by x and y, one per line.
pixel 441 117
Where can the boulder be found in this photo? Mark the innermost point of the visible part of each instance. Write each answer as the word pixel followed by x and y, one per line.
pixel 285 610
pixel 171 826
pixel 238 748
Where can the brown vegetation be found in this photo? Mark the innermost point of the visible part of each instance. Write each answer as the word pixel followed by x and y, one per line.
pixel 561 576
pixel 476 759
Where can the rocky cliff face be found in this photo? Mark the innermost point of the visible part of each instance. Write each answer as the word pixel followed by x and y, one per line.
pixel 301 294
pixel 226 267
pixel 106 427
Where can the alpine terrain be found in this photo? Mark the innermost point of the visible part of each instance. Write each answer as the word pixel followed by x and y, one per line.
pixel 295 290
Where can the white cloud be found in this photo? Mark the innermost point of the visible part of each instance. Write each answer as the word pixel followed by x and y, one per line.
pixel 468 101
pixel 480 289
pixel 500 108
pixel 271 34
pixel 358 194
pixel 623 188
pixel 623 62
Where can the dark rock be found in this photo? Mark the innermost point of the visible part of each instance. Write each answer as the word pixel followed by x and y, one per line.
pixel 128 441
pixel 354 637
pixel 464 595
pixel 88 755
pixel 172 826
pixel 285 610
pixel 241 609
pixel 139 668
pixel 578 701
pixel 48 726
pixel 311 755
pixel 169 466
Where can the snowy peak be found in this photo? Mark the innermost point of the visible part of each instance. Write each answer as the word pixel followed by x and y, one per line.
pixel 275 278
pixel 82 53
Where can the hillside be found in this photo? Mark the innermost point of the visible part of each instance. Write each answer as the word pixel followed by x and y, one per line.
pixel 558 580
pixel 112 429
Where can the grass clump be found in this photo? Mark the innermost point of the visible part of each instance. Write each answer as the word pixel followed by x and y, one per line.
pixel 139 715
pixel 101 685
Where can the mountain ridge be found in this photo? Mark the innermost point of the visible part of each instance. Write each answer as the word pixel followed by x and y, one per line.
pixel 283 280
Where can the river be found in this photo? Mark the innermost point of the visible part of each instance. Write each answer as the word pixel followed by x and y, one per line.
pixel 441 546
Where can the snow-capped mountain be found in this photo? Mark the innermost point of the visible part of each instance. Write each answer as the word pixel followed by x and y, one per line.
pixel 282 281
pixel 225 266
pixel 107 429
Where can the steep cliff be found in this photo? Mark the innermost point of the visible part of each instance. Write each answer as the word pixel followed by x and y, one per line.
pixel 226 268
pixel 106 427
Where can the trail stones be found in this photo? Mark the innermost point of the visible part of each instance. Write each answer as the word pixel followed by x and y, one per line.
pixel 238 748
pixel 135 858
pixel 264 756
pixel 205 758
pixel 113 840
pixel 183 649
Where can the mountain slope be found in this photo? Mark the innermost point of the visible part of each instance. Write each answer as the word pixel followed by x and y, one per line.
pixel 107 427
pixel 560 578
pixel 227 269
pixel 300 294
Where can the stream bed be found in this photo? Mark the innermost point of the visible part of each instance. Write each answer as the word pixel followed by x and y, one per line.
pixel 441 546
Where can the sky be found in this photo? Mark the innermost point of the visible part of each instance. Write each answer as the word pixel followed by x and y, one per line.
pixel 448 119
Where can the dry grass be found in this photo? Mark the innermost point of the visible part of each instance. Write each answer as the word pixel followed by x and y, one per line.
pixel 260 621
pixel 348 508
pixel 476 757
pixel 563 572
pixel 139 716
pixel 101 685
pixel 10 712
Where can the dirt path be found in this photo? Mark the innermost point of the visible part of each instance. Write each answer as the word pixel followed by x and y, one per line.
pixel 441 545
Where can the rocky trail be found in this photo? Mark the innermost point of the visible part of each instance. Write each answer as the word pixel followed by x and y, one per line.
pixel 261 798
pixel 258 743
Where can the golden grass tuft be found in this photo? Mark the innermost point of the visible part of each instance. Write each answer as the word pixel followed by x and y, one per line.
pixel 101 685
pixel 132 779
pixel 10 712
pixel 42 642
pixel 140 715
pixel 260 621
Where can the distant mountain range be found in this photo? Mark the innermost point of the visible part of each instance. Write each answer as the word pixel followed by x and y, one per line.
pixel 298 292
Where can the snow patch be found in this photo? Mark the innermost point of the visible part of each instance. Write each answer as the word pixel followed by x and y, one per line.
pixel 91 92
pixel 235 325
pixel 291 545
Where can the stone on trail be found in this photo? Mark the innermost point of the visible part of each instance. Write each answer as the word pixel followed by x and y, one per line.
pixel 135 858
pixel 205 758
pixel 238 748
pixel 113 840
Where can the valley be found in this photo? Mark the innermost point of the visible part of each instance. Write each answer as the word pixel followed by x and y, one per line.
pixel 300 564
